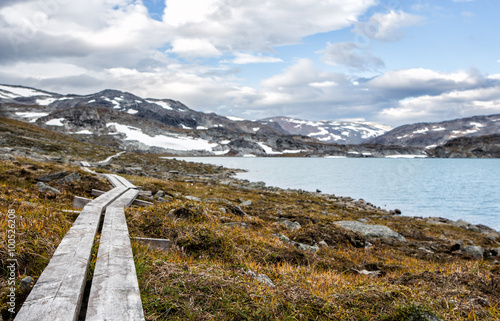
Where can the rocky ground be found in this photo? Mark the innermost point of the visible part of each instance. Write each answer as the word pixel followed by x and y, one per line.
pixel 241 250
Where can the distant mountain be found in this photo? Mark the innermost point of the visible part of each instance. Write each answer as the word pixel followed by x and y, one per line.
pixel 339 132
pixel 431 135
pixel 124 121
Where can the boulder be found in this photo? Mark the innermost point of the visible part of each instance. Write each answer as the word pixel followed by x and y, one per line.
pixel 291 225
pixel 376 231
pixel 246 203
pixel 474 251
pixel 73 177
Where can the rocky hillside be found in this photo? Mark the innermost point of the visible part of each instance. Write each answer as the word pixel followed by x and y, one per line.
pixel 431 135
pixel 340 132
pixel 470 147
pixel 122 120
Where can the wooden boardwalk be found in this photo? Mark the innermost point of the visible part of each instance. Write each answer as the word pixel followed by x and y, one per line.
pixel 114 293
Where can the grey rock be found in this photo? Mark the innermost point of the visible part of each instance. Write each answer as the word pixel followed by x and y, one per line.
pixel 282 237
pixel 322 244
pixel 236 224
pixel 474 251
pixel 73 177
pixel 246 203
pixel 7 157
pixel 161 199
pixel 44 188
pixel 363 220
pixel 26 283
pixel 51 177
pixel 377 231
pixel 305 247
pixel 291 225
pixel 261 278
pixel 160 193
pixel 264 279
pixel 192 198
pixel 238 211
pixel 467 226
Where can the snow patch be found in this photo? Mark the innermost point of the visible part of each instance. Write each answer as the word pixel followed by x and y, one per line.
pixel 84 132
pixel 132 111
pixel 162 104
pixel 249 155
pixel 438 129
pixel 33 116
pixel 176 143
pixel 268 149
pixel 15 92
pixel 201 128
pixel 45 101
pixel 421 131
pixel 55 122
pixel 185 127
pixel 234 118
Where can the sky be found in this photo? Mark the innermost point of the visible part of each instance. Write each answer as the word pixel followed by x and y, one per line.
pixel 386 61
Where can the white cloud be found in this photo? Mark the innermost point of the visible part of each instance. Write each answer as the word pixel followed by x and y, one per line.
pixel 242 58
pixel 387 27
pixel 425 79
pixel 323 84
pixel 351 55
pixel 449 105
pixel 235 25
pixel 194 48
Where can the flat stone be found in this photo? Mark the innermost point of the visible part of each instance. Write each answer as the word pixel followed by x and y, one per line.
pixel 377 231
pixel 161 244
pixel 44 188
pixel 237 224
pixel 246 203
pixel 51 177
pixel 192 198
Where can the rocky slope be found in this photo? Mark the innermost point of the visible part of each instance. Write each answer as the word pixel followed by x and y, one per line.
pixel 431 135
pixel 122 120
pixel 470 147
pixel 340 132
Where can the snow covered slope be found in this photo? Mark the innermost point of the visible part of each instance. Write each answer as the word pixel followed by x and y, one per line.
pixel 340 132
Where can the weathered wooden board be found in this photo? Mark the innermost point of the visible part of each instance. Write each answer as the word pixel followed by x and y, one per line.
pixel 58 293
pixel 114 294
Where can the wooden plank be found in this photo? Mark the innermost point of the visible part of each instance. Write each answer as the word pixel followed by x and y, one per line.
pixel 113 179
pixel 58 293
pixel 162 244
pixel 80 202
pixel 125 182
pixel 136 202
pixel 114 294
